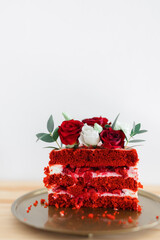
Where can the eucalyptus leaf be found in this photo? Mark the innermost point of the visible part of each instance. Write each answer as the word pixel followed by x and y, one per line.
pixel 138 145
pixel 133 129
pixel 66 117
pixel 98 127
pixel 47 138
pixel 39 135
pixel 114 123
pixel 142 131
pixel 50 124
pixel 137 128
pixel 55 134
pixel 134 126
pixel 52 147
pixel 136 140
pixel 107 126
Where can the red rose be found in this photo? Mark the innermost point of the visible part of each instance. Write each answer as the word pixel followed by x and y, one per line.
pixel 112 138
pixel 100 120
pixel 69 131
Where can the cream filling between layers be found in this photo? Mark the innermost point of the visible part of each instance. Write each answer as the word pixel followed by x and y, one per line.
pixel 125 193
pixel 58 169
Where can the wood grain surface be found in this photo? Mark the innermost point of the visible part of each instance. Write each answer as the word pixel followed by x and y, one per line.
pixel 11 228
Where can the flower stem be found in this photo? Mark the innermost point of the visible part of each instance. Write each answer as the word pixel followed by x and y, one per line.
pixel 58 144
pixel 56 141
pixel 128 141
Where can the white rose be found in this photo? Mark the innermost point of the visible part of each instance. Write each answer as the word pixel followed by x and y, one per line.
pixel 89 136
pixel 125 127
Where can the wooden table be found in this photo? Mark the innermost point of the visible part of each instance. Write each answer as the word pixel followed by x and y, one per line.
pixel 11 228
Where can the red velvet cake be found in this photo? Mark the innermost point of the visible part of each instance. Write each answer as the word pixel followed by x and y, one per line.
pixel 94 168
pixel 93 178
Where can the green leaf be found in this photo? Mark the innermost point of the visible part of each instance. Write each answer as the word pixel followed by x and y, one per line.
pixel 52 147
pixel 138 145
pixel 47 138
pixel 137 128
pixel 98 127
pixel 134 126
pixel 66 117
pixel 39 135
pixel 133 129
pixel 142 131
pixel 55 134
pixel 114 123
pixel 136 140
pixel 50 124
pixel 107 126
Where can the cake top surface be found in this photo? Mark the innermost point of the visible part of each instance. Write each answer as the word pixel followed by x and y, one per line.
pixel 85 157
pixel 91 133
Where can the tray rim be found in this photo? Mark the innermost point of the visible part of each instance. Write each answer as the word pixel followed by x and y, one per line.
pixel 36 192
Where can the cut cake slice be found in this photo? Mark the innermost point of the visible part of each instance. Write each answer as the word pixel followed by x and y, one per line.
pixel 88 177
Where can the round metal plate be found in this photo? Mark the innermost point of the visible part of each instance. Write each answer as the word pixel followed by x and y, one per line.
pixel 50 218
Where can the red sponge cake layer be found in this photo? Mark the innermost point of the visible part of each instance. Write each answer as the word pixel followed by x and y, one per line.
pixel 82 157
pixel 64 200
pixel 99 183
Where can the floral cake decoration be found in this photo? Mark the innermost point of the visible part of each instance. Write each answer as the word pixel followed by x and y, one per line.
pixel 96 132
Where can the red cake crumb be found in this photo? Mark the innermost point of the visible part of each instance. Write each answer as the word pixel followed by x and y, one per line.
pixel 43 201
pixel 35 203
pixel 25 219
pixel 27 211
pixel 109 223
pixel 45 206
pixel 157 217
pixel 120 221
pixel 62 213
pixel 112 217
pixel 139 209
pixel 56 205
pixel 90 215
pixel 130 220
pixel 82 217
pixel 124 222
pixel 140 185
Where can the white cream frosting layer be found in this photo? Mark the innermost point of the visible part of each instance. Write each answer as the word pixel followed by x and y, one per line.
pixel 58 169
pixel 51 190
pixel 125 193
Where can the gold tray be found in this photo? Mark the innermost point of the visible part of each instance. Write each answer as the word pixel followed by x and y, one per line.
pixel 50 219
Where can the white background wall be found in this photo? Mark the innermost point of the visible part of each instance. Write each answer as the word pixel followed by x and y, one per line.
pixel 87 58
